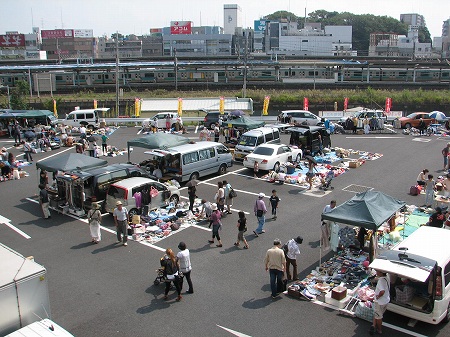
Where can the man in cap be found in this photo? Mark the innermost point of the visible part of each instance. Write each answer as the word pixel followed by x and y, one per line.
pixel 275 263
pixel 291 257
pixel 121 221
pixel 260 210
pixel 184 260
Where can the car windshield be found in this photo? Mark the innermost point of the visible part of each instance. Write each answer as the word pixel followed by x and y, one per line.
pixel 264 151
pixel 247 141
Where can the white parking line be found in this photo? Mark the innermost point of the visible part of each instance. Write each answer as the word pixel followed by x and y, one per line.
pixel 374 137
pixel 7 222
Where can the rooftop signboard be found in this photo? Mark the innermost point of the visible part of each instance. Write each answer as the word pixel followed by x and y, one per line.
pixel 180 27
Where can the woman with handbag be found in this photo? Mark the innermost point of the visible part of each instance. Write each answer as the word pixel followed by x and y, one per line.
pixel 171 273
pixel 216 224
pixel 95 219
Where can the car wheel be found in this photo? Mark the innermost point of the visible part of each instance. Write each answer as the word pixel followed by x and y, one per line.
pixel 408 126
pixel 276 167
pixel 133 212
pixel 212 126
pixel 174 198
pixel 194 176
pixel 222 169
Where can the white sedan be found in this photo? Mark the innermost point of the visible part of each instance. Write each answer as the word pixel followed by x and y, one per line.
pixel 270 156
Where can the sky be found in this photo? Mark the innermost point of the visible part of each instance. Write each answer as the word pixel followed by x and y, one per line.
pixel 138 16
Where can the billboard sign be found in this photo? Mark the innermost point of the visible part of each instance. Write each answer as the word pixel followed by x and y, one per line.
pixel 57 34
pixel 12 41
pixel 180 27
pixel 83 33
pixel 259 26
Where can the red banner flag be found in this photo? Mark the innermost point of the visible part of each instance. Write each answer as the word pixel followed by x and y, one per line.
pixel 305 103
pixel 345 103
pixel 388 105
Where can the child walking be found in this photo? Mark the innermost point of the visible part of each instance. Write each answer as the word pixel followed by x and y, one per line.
pixel 242 227
pixel 274 200
pixel 430 186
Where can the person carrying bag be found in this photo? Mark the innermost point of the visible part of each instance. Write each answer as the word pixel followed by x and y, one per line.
pixel 171 272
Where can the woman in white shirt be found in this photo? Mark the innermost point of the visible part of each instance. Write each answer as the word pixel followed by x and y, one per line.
pixel 422 177
pixel 184 261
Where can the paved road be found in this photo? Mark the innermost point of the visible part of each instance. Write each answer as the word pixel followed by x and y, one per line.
pixel 106 290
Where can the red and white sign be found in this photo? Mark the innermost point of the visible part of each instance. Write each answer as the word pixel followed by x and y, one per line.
pixel 57 34
pixel 345 103
pixel 388 105
pixel 12 41
pixel 305 103
pixel 180 27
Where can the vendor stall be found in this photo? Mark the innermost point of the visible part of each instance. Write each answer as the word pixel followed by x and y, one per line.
pixel 344 280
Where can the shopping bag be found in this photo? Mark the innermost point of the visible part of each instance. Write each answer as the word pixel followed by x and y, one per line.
pixel 153 192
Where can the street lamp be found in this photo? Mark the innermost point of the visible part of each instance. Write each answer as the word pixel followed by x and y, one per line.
pixel 9 97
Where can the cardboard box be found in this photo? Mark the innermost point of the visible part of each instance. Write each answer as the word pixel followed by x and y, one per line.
pixel 339 304
pixel 136 219
pixel 338 293
pixel 360 132
pixel 354 164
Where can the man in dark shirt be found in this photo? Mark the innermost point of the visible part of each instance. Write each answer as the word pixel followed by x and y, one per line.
pixel 43 200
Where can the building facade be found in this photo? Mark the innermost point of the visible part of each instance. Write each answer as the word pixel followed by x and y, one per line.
pixel 232 18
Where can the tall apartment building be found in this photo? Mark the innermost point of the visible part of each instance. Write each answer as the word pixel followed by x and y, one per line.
pixel 413 19
pixel 232 18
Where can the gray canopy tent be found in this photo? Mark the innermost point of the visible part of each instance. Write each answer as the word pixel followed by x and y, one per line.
pixel 159 140
pixel 368 209
pixel 70 162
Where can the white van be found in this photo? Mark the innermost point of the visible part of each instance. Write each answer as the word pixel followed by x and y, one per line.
pixel 421 262
pixel 86 117
pixel 124 191
pixel 190 161
pixel 252 138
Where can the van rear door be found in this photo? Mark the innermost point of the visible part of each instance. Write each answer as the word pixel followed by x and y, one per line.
pixel 404 264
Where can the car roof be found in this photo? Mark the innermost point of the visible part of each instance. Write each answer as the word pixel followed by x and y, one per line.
pixel 134 181
pixel 273 146
pixel 428 242
pixel 289 111
pixel 261 130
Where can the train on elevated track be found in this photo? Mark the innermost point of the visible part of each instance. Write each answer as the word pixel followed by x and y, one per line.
pixel 151 75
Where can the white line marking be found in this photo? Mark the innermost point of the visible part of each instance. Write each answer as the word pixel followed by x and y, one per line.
pixel 374 137
pixel 205 229
pixel 236 333
pixel 55 154
pixel 7 222
pixel 422 140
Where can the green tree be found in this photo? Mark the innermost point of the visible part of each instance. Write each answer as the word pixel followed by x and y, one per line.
pixel 281 15
pixel 18 94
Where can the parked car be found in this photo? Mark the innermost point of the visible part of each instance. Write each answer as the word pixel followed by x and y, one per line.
pixel 302 117
pixel 413 120
pixel 309 138
pixel 270 156
pixel 363 114
pixel 124 191
pixel 252 138
pixel 159 120
pixel 97 180
pixel 212 117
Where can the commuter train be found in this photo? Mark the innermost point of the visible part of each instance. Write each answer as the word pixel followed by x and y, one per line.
pixel 151 77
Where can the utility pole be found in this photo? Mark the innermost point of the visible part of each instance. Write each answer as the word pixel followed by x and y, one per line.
pixel 117 74
pixel 244 87
pixel 176 68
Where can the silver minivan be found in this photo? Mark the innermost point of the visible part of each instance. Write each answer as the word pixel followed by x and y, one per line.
pixel 86 117
pixel 251 139
pixel 419 273
pixel 191 161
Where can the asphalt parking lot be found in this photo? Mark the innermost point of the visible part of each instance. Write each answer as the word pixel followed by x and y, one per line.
pixel 107 289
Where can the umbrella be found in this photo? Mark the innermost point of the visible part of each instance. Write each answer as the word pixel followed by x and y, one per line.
pixel 193 182
pixel 237 113
pixel 440 116
pixel 311 159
